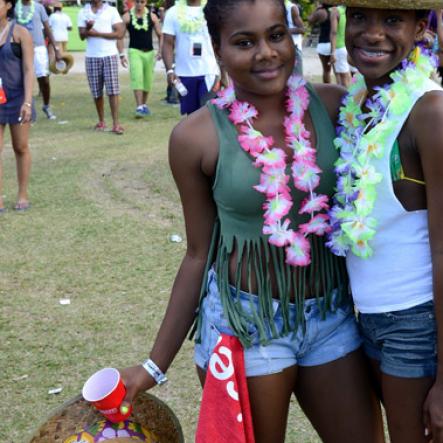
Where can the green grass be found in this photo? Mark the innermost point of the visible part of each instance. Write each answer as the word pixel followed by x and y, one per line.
pixel 74 44
pixel 98 232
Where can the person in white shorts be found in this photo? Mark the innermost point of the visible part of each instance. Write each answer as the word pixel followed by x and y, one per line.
pixel 33 17
pixel 339 54
pixel 321 17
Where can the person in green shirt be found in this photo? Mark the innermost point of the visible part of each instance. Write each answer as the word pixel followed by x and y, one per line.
pixel 339 54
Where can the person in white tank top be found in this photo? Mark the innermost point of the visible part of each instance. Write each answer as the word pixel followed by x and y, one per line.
pixel 388 214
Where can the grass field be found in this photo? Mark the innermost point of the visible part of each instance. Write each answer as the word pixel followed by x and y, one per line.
pixel 74 44
pixel 104 207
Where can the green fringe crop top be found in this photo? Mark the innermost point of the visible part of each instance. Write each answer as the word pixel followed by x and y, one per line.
pixel 238 228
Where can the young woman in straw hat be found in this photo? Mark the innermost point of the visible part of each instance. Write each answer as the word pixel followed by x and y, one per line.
pixel 277 288
pixel 388 214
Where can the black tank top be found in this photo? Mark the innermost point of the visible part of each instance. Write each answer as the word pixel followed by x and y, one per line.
pixel 325 29
pixel 141 39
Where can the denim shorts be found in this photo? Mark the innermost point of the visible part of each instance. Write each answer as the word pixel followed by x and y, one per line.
pixel 322 341
pixel 404 342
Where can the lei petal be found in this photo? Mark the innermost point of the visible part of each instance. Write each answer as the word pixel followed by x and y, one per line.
pixel 253 141
pixel 298 104
pixel 299 252
pixel 369 147
pixel 314 203
pixel 362 249
pixel 225 97
pixel 275 158
pixel 273 183
pixel 295 128
pixel 338 243
pixel 364 203
pixel 318 225
pixel 359 228
pixel 241 112
pixel 303 152
pixel 276 208
pixel 279 235
pixel 349 114
pixel 306 175
pixel 367 175
pixel 295 82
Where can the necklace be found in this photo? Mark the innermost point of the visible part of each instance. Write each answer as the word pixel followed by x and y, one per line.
pixel 362 140
pixel 274 182
pixel 134 20
pixel 23 20
pixel 190 25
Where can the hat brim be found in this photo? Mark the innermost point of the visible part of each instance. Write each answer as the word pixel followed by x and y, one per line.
pixel 76 414
pixel 388 4
pixel 69 61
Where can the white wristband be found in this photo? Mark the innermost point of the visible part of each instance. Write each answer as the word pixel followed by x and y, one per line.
pixel 122 54
pixel 169 71
pixel 155 372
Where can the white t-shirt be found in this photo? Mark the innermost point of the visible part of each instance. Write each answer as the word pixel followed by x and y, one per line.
pixel 59 23
pixel 104 19
pixel 194 55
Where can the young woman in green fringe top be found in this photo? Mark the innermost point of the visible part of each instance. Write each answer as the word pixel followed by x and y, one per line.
pixel 255 170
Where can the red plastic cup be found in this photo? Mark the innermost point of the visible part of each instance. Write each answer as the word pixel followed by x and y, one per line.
pixel 106 391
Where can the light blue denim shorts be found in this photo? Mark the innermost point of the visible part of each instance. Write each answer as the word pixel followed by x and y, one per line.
pixel 404 342
pixel 322 341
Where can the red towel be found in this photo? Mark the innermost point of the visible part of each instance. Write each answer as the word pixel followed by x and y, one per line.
pixel 225 412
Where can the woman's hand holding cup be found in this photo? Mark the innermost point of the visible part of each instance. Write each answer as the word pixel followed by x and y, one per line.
pixel 136 380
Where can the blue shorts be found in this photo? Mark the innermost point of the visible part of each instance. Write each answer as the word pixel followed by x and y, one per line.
pixel 323 341
pixel 196 87
pixel 404 342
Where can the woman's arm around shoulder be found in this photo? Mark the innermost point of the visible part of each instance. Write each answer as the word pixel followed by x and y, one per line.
pixel 426 124
pixel 332 97
pixel 192 157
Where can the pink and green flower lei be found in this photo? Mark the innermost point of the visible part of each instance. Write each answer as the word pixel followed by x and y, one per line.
pixel 362 139
pixel 274 182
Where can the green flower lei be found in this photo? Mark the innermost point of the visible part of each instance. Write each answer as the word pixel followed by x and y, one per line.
pixel 363 138
pixel 190 25
pixel 24 20
pixel 134 19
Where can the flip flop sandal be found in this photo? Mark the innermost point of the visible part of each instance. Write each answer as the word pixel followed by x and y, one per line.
pixel 22 206
pixel 100 127
pixel 118 130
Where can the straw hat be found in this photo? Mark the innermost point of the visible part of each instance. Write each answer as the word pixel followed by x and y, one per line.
pixel 62 66
pixel 389 4
pixel 152 421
